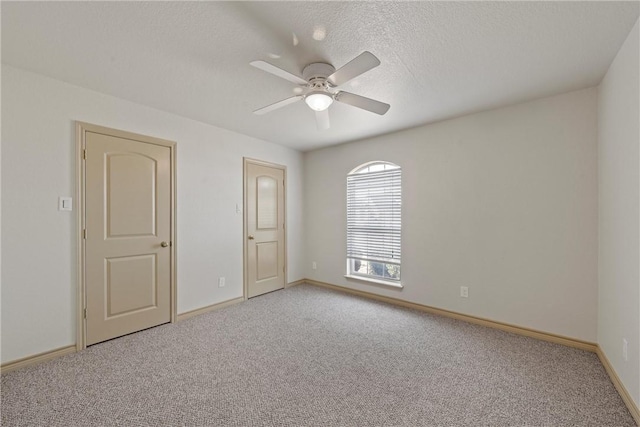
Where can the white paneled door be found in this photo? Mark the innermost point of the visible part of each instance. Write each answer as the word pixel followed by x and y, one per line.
pixel 128 235
pixel 264 214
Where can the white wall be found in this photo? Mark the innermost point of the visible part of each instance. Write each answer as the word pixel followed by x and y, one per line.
pixel 38 242
pixel 503 201
pixel 619 213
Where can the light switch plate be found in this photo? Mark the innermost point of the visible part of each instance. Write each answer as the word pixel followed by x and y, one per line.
pixel 65 204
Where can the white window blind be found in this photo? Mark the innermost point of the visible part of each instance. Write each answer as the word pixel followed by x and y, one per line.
pixel 374 202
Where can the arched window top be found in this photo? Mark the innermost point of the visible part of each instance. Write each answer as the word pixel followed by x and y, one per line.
pixel 374 166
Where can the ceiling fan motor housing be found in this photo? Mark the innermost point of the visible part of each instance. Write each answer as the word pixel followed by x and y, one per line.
pixel 317 71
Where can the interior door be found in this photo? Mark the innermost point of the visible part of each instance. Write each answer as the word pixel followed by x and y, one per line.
pixel 264 210
pixel 128 229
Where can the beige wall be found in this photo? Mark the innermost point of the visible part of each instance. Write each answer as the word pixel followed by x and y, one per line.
pixel 619 213
pixel 38 241
pixel 503 201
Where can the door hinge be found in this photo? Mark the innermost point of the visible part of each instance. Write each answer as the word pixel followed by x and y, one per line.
pixel 84 234
pixel 84 154
pixel 85 313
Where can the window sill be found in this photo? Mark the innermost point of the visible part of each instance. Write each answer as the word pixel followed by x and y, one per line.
pixel 376 281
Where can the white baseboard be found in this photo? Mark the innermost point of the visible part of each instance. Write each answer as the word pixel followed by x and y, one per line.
pixel 297 282
pixel 615 379
pixel 37 358
pixel 202 310
pixel 545 336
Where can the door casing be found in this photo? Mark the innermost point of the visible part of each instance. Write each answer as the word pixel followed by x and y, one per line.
pixel 245 246
pixel 81 129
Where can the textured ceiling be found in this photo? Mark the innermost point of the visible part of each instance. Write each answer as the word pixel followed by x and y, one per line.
pixel 439 59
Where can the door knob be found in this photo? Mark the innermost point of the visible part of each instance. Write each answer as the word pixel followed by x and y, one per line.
pixel 164 244
pixel 250 237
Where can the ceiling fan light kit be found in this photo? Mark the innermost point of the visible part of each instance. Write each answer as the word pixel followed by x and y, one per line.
pixel 318 101
pixel 317 86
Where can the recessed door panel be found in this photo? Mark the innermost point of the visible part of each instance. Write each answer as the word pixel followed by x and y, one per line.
pixel 128 229
pixel 131 284
pixel 266 203
pixel 265 256
pixel 266 260
pixel 131 192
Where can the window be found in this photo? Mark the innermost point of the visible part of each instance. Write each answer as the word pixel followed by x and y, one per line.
pixel 374 199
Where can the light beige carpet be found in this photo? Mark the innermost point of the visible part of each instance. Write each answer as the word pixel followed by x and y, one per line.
pixel 307 356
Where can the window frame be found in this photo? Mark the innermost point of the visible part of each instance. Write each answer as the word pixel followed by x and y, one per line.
pixel 366 168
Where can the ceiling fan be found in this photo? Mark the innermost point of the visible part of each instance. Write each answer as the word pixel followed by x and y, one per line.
pixel 318 83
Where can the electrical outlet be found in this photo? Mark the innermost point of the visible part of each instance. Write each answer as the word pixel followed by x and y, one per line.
pixel 221 282
pixel 625 350
pixel 464 292
pixel 314 265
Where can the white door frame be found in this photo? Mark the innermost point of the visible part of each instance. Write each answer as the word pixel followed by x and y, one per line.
pixel 245 247
pixel 81 130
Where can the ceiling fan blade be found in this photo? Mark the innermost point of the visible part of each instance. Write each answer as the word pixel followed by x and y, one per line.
pixel 278 104
pixel 362 102
pixel 270 68
pixel 358 65
pixel 322 119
